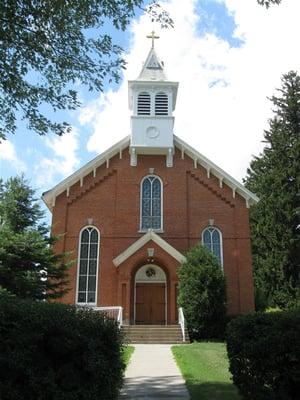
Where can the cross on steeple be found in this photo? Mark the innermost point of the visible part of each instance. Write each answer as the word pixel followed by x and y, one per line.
pixel 153 37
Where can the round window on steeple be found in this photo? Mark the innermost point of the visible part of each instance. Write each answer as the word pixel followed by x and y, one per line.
pixel 161 104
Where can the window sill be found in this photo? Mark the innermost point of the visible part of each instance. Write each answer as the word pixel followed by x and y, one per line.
pixel 86 305
pixel 153 230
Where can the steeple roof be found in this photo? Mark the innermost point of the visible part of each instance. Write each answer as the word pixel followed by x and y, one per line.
pixel 152 73
pixel 153 68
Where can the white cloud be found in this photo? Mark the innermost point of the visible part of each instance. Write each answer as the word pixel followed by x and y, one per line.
pixel 64 148
pixel 222 106
pixel 64 160
pixel 8 153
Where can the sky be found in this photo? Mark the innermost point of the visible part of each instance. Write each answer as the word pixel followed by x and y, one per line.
pixel 228 57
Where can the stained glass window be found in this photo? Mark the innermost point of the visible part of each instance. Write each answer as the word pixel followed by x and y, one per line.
pixel 88 262
pixel 211 238
pixel 151 204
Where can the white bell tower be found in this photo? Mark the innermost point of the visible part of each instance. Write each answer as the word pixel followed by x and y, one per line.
pixel 152 99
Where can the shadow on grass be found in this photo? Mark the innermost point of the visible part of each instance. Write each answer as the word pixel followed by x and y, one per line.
pixel 212 391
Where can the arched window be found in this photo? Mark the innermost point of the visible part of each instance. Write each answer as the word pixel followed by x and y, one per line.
pixel 151 203
pixel 144 104
pixel 88 266
pixel 212 239
pixel 161 104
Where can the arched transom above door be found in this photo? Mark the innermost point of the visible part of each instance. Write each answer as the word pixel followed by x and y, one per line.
pixel 150 273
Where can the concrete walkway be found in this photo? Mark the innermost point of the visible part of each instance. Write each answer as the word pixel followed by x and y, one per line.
pixel 153 374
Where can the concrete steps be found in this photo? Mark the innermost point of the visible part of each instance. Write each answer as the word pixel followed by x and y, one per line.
pixel 154 334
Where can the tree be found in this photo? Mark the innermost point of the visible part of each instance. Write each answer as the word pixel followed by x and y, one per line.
pixel 46 46
pixel 275 221
pixel 28 266
pixel 202 293
pixel 19 209
pixel 267 3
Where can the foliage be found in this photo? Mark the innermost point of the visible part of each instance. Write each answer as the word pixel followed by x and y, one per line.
pixel 202 293
pixel 5 293
pixel 28 266
pixel 264 355
pixel 127 353
pixel 261 300
pixel 19 209
pixel 204 367
pixel 275 221
pixel 53 351
pixel 268 3
pixel 47 47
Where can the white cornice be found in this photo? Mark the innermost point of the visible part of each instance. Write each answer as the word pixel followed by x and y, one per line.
pixel 150 235
pixel 49 196
pixel 212 168
pixel 78 176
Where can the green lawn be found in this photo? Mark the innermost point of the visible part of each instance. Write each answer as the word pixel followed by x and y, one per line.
pixel 204 367
pixel 126 353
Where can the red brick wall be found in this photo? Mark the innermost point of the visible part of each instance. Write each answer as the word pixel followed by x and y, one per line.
pixel 190 198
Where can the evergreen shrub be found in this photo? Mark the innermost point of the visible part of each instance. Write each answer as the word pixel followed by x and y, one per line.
pixel 57 352
pixel 264 355
pixel 202 294
pixel 261 299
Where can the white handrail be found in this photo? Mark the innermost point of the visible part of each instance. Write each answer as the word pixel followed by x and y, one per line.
pixel 181 321
pixel 120 316
pixel 115 312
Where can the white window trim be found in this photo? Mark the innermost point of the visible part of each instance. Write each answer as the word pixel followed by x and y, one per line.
pixel 78 265
pixel 137 103
pixel 161 229
pixel 152 93
pixel 221 241
pixel 168 104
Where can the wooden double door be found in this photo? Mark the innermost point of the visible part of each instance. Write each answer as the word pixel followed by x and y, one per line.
pixel 150 304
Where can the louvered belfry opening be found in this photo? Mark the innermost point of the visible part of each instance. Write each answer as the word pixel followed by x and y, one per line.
pixel 144 104
pixel 161 104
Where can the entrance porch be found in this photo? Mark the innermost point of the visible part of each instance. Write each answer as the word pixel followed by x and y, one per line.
pixel 148 282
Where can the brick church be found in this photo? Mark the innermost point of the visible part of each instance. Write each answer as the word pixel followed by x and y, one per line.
pixel 129 215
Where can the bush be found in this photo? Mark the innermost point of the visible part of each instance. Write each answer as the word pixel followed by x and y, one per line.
pixel 54 351
pixel 202 294
pixel 264 355
pixel 261 299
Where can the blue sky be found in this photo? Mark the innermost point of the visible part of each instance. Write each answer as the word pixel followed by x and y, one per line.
pixel 228 56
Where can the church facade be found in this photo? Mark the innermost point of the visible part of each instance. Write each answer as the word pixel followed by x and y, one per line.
pixel 129 215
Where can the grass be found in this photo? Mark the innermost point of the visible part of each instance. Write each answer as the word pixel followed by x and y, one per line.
pixel 127 353
pixel 204 367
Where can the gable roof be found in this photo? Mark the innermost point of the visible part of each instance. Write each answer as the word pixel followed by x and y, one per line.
pixel 150 235
pixel 218 172
pixel 49 196
pixel 224 178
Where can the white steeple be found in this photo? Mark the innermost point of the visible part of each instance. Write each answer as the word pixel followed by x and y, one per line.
pixel 152 99
pixel 153 68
